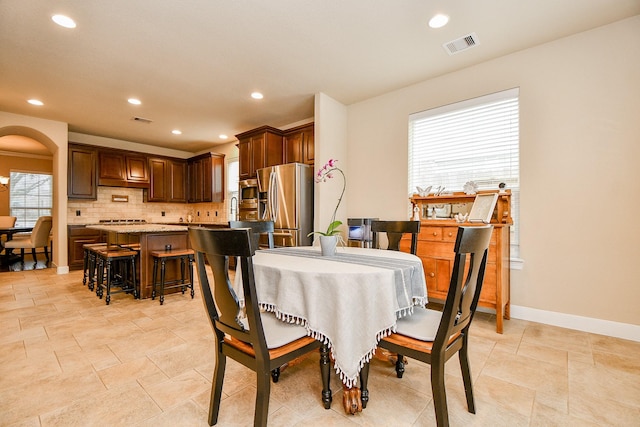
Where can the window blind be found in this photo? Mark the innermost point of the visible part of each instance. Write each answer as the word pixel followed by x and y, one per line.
pixel 474 140
pixel 31 196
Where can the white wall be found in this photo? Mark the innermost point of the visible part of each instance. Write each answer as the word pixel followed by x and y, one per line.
pixel 330 138
pixel 580 147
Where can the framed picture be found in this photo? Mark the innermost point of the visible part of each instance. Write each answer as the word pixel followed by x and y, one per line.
pixel 483 207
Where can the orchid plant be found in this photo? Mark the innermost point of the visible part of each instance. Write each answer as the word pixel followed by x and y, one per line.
pixel 327 172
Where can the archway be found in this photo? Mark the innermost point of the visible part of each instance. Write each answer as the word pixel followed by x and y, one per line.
pixel 53 135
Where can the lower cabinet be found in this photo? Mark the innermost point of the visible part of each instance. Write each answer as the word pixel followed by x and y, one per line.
pixel 79 235
pixel 435 249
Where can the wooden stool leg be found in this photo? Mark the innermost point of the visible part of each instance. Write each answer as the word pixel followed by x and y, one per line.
pixel 100 277
pixel 108 297
pixel 133 277
pixel 85 267
pixel 155 276
pixel 182 288
pixel 191 274
pixel 162 272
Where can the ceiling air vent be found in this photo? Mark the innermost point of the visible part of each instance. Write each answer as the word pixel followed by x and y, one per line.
pixel 141 119
pixel 463 43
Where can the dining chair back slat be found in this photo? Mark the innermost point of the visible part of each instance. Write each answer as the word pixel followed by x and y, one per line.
pixel 259 228
pixel 394 231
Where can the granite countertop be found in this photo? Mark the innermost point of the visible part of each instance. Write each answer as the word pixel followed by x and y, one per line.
pixel 138 228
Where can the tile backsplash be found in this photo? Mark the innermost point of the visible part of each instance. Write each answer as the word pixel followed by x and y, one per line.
pixel 92 211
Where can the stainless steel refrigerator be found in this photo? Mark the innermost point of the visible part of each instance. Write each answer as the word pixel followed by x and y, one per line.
pixel 285 196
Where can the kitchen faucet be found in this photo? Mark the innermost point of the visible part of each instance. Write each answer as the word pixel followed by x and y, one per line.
pixel 234 208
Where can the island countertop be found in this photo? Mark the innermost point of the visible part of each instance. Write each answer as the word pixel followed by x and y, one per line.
pixel 139 228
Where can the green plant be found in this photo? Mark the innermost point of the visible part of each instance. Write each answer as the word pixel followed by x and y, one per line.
pixel 324 173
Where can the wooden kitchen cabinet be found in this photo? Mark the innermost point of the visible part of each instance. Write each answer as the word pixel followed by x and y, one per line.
pixel 122 169
pixel 299 145
pixel 206 178
pixel 435 248
pixel 167 180
pixel 259 148
pixel 79 235
pixel 82 172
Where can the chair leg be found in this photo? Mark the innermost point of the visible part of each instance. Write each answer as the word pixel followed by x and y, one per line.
pixel 439 392
pixel 364 379
pixel 46 255
pixel 466 376
pixel 262 399
pixel 399 366
pixel 216 387
pixel 35 259
pixel 275 375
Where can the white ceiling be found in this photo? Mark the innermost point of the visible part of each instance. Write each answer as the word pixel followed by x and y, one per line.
pixel 194 63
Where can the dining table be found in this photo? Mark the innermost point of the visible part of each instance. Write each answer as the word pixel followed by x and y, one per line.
pixel 348 301
pixel 9 232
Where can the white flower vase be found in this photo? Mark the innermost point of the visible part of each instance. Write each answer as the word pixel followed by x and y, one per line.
pixel 328 245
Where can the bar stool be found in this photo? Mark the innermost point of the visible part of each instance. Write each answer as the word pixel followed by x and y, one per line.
pixel 184 255
pixel 89 263
pixel 116 267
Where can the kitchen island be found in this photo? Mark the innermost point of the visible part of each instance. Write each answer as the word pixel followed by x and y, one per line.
pixel 149 237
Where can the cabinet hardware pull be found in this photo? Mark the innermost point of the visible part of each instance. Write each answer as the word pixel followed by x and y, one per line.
pixel 435 233
pixel 432 274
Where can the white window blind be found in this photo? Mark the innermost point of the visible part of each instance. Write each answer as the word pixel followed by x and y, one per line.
pixel 31 196
pixel 475 140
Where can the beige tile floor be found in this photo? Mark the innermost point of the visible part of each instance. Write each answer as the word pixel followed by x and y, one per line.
pixel 67 359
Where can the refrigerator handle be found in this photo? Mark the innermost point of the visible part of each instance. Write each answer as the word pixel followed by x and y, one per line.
pixel 274 196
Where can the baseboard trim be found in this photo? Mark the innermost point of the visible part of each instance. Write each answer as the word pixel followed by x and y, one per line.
pixel 586 324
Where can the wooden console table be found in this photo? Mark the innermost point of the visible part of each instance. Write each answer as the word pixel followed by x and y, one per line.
pixel 435 247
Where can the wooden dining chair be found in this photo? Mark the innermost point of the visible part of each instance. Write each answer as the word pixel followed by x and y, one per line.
pixel 394 231
pixel 259 341
pixel 259 228
pixel 432 336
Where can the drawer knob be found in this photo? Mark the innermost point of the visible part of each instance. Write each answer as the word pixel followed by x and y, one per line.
pixel 435 233
pixel 432 274
pixel 450 234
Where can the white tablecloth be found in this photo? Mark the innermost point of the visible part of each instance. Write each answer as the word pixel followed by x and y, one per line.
pixel 349 306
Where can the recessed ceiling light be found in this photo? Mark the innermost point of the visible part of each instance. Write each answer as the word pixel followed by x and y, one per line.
pixel 134 101
pixel 438 21
pixel 257 95
pixel 36 102
pixel 176 132
pixel 222 136
pixel 64 21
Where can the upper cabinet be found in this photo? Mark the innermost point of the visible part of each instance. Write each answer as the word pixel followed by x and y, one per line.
pixel 298 145
pixel 206 178
pixel 123 169
pixel 168 180
pixel 258 149
pixel 82 172
pixel 165 179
